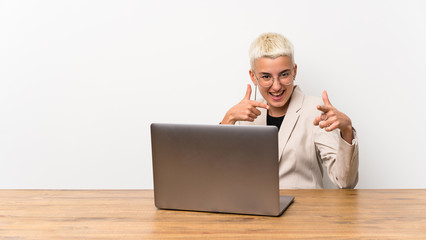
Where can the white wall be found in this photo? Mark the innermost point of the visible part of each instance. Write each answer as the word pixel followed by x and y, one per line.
pixel 81 81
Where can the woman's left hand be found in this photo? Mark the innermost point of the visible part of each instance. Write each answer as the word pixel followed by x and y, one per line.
pixel 331 118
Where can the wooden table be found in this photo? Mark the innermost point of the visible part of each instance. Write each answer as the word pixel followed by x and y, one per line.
pixel 131 214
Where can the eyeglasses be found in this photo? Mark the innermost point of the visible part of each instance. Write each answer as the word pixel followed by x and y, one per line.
pixel 266 80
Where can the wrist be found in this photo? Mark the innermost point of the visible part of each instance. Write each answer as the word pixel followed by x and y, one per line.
pixel 228 119
pixel 347 134
pixel 346 130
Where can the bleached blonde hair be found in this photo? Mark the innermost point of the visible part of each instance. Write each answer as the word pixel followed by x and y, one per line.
pixel 270 45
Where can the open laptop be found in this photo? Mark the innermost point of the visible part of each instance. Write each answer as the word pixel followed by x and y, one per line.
pixel 217 168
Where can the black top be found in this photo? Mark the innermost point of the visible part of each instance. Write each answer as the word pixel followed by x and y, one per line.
pixel 274 121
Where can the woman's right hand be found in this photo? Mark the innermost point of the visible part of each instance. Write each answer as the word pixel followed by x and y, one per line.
pixel 246 110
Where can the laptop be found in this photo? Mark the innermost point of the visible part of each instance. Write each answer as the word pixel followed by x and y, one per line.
pixel 217 168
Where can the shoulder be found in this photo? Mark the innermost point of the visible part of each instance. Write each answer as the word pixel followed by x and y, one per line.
pixel 309 103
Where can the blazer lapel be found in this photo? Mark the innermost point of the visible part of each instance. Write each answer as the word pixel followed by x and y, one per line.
pixel 261 120
pixel 290 118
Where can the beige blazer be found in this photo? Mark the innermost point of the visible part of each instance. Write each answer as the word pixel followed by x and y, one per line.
pixel 303 147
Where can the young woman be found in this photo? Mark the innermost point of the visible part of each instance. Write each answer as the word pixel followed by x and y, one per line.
pixel 311 132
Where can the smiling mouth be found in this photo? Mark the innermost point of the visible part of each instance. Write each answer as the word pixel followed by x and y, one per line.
pixel 278 94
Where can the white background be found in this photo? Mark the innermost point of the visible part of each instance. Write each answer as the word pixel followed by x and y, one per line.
pixel 81 81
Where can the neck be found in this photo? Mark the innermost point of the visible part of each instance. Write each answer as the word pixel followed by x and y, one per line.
pixel 278 112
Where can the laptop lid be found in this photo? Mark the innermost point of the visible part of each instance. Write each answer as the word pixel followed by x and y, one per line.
pixel 216 168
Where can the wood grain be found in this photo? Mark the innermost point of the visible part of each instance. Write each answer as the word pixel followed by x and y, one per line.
pixel 131 214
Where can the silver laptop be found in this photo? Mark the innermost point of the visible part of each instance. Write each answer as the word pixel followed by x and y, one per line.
pixel 217 168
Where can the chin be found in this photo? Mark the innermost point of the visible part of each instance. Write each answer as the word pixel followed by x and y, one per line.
pixel 276 104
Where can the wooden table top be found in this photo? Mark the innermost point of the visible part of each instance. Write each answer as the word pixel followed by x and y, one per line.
pixel 131 214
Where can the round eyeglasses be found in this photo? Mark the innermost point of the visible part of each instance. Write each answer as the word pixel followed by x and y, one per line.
pixel 266 80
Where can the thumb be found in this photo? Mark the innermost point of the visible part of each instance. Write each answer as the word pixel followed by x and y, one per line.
pixel 325 98
pixel 248 92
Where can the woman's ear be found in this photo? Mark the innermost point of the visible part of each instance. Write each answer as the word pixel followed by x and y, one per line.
pixel 252 77
pixel 295 71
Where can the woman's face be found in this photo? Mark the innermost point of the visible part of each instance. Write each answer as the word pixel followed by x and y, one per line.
pixel 278 94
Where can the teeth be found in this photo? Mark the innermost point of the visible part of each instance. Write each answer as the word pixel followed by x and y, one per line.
pixel 277 94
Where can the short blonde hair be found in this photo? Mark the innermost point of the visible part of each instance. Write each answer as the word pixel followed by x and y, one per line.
pixel 270 45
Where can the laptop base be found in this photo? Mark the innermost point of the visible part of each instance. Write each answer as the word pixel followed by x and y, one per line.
pixel 285 202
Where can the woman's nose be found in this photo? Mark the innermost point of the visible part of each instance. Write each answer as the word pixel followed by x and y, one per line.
pixel 276 85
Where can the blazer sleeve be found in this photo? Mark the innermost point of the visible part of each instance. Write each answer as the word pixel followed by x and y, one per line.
pixel 340 157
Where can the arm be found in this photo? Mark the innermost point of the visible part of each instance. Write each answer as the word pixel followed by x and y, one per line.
pixel 340 157
pixel 339 152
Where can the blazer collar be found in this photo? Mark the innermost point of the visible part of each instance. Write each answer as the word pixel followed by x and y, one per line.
pixel 290 119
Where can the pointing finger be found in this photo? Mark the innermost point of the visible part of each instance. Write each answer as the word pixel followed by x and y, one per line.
pixel 323 108
pixel 259 104
pixel 325 98
pixel 248 92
